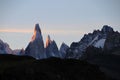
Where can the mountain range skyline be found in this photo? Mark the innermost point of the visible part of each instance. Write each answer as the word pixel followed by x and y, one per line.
pixel 60 39
pixel 64 19
pixel 100 48
pixel 44 33
pixel 104 38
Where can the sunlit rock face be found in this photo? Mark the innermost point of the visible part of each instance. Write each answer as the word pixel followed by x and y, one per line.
pixel 36 46
pixel 48 41
pixel 51 48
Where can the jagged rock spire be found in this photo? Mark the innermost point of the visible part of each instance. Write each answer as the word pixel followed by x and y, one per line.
pixel 37 33
pixel 63 50
pixel 107 29
pixel 48 40
pixel 4 48
pixel 36 46
pixel 51 48
pixel 37 28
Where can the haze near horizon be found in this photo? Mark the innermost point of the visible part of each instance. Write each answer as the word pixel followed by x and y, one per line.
pixel 64 20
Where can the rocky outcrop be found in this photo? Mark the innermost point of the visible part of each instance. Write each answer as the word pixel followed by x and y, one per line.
pixel 36 46
pixel 63 50
pixel 4 48
pixel 51 48
pixel 106 38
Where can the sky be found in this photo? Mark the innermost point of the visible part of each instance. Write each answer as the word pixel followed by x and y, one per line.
pixel 64 20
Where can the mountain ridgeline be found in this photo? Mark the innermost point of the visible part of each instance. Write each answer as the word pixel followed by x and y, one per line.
pixel 105 39
pixel 95 56
pixel 36 47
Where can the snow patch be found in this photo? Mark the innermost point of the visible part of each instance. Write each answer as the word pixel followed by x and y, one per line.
pixel 100 43
pixel 93 41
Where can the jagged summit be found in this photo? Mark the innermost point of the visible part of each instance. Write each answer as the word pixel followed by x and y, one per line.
pixel 4 48
pixel 36 46
pixel 37 33
pixel 107 29
pixel 106 39
pixel 63 49
pixel 48 41
pixel 37 28
pixel 63 43
pixel 51 48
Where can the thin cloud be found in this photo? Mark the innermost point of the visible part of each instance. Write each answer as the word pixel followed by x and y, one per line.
pixel 50 31
pixel 16 30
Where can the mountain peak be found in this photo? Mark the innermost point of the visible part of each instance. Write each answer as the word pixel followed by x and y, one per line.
pixel 48 40
pixel 37 28
pixel 63 49
pixel 107 29
pixel 37 33
pixel 36 46
pixel 4 48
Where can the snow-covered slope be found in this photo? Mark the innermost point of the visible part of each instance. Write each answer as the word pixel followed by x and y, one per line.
pixel 93 41
pixel 100 43
pixel 36 46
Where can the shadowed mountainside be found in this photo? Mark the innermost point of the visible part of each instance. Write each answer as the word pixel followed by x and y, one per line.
pixel 21 68
pixel 107 60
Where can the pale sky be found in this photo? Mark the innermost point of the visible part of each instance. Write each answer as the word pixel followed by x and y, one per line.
pixel 64 20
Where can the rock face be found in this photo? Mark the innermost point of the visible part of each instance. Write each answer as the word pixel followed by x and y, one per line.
pixel 63 50
pixel 112 41
pixel 4 48
pixel 36 46
pixel 19 52
pixel 51 48
pixel 106 38
pixel 73 51
pixel 107 29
